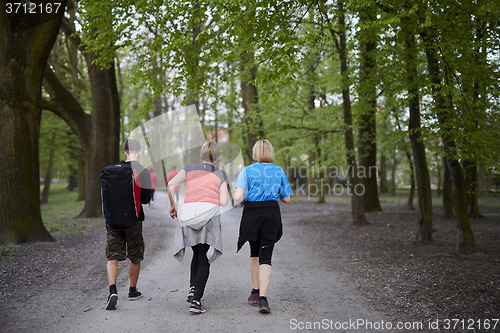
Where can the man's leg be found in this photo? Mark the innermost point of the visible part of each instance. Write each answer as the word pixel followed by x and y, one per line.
pixel 115 251
pixel 133 272
pixel 135 249
pixel 112 269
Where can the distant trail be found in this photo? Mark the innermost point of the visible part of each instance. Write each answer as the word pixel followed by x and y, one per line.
pixel 303 289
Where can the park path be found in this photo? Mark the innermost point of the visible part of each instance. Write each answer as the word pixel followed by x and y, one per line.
pixel 303 290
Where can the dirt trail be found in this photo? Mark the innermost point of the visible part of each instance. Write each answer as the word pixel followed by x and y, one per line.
pixel 303 290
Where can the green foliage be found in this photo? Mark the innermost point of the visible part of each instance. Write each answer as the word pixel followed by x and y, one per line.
pixel 178 48
pixel 66 144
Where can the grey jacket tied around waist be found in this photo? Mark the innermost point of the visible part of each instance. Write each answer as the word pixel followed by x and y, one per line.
pixel 204 232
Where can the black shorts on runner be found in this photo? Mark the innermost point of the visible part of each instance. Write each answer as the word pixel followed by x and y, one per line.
pixel 125 243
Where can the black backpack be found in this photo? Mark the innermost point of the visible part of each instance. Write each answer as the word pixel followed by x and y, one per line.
pixel 117 193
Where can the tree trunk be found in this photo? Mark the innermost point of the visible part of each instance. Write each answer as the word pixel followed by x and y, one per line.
pixel 439 178
pixel 192 56
pixel 231 107
pixel 411 195
pixel 465 239
pixel 105 132
pixel 25 44
pixel 411 165
pixel 358 211
pixel 252 121
pixel 73 172
pixel 393 173
pixel 48 175
pixel 102 126
pixel 367 145
pixel 471 166
pixel 384 183
pixel 81 175
pixel 448 197
pixel 424 234
pixel 473 189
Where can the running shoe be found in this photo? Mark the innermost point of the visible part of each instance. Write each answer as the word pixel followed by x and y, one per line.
pixel 190 294
pixel 133 295
pixel 196 307
pixel 264 306
pixel 111 304
pixel 253 299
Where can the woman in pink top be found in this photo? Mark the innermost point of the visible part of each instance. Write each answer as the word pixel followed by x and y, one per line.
pixel 199 226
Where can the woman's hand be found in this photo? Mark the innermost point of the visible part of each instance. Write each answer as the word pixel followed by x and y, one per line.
pixel 173 212
pixel 238 195
pixel 285 199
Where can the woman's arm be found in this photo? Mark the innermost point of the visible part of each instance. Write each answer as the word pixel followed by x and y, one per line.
pixel 172 184
pixel 223 194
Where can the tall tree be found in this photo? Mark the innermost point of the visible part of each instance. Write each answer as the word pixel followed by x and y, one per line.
pixel 25 44
pixel 105 132
pixel 250 99
pixel 358 211
pixel 339 36
pixel 424 234
pixel 253 125
pixel 367 144
pixel 98 132
pixel 444 108
pixel 465 239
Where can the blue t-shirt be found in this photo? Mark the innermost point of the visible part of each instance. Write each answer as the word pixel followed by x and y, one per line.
pixel 264 182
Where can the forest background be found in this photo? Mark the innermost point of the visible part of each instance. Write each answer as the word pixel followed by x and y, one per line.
pixel 370 95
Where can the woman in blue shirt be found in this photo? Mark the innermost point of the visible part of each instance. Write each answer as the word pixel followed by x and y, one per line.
pixel 264 183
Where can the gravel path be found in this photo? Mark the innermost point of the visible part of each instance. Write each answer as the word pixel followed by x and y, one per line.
pixel 304 288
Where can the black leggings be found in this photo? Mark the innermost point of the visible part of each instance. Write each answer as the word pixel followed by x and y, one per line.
pixel 200 269
pixel 264 251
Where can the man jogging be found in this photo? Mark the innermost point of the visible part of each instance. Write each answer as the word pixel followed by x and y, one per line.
pixel 126 241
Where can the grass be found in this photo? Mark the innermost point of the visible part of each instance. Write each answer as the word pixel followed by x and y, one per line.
pixel 59 214
pixel 7 252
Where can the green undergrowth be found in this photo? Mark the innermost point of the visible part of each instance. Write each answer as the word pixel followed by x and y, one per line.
pixel 7 252
pixel 59 213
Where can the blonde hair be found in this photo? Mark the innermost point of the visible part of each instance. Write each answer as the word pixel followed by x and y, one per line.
pixel 263 151
pixel 210 151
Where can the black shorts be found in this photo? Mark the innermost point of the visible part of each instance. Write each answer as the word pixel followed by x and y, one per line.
pixel 260 221
pixel 125 243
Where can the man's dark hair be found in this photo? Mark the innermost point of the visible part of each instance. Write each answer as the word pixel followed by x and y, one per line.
pixel 174 167
pixel 131 145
